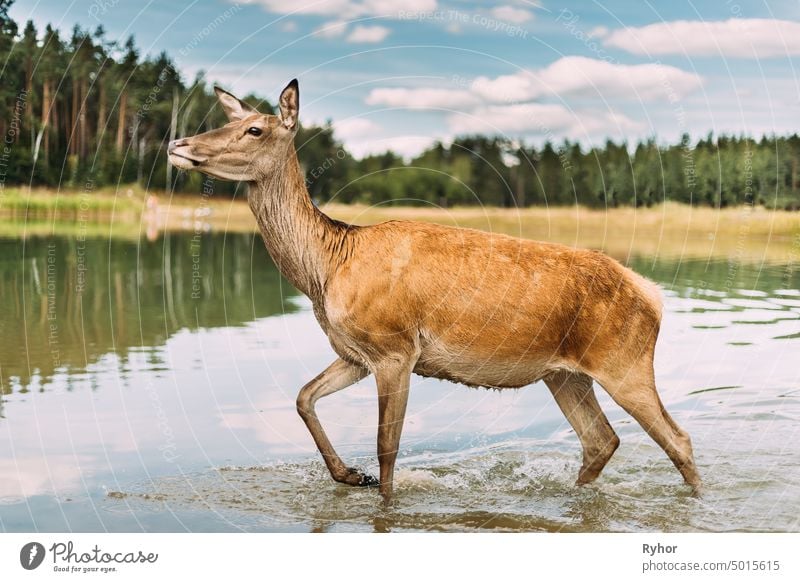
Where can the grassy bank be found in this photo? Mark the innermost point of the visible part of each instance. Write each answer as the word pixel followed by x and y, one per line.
pixel 746 233
pixel 21 201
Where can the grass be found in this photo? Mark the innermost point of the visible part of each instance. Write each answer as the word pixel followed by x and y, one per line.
pixel 106 200
pixel 745 233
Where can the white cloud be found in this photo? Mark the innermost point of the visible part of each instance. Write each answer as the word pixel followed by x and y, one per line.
pixel 345 8
pixel 364 137
pixel 406 146
pixel 369 34
pixel 567 76
pixel 512 104
pixel 585 76
pixel 523 117
pixel 422 98
pixel 545 119
pixel 511 14
pixel 736 37
pixel 598 31
pixel 354 127
pixel 331 29
pixel 289 26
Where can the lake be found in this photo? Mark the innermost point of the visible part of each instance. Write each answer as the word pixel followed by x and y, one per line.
pixel 150 386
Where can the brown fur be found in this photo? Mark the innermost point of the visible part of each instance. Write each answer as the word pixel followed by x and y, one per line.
pixel 457 304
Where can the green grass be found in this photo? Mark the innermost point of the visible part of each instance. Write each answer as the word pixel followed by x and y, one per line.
pixel 22 200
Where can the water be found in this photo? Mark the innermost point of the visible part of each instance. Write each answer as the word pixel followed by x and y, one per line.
pixel 150 386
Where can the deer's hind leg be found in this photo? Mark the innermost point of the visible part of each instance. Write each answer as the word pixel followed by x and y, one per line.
pixel 635 391
pixel 575 397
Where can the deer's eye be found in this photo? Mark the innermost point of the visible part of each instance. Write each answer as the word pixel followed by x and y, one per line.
pixel 256 131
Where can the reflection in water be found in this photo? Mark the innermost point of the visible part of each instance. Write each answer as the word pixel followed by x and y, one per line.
pixel 67 303
pixel 151 386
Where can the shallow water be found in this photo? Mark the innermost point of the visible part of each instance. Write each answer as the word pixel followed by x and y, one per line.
pixel 151 386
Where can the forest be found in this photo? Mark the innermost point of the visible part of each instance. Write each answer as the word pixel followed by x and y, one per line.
pixel 84 112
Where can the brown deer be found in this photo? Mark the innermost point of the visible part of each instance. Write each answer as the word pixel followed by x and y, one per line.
pixel 478 308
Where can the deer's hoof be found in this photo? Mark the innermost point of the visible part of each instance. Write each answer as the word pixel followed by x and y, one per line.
pixel 369 481
pixel 361 479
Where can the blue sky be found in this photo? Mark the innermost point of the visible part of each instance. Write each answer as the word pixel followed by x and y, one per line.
pixel 401 74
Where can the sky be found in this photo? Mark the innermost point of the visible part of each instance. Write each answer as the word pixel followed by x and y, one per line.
pixel 401 74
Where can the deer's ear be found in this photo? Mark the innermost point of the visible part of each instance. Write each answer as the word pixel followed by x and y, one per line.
pixel 290 105
pixel 234 108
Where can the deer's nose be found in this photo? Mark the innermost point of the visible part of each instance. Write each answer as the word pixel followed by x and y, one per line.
pixel 175 143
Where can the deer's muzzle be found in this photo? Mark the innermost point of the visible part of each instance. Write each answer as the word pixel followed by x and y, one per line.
pixel 180 152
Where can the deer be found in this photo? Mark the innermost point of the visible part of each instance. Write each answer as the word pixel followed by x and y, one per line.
pixel 477 308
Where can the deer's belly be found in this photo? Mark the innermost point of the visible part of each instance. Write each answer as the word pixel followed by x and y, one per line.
pixel 478 370
pixel 473 359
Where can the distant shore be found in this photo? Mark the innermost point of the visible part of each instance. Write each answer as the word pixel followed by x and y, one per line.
pixel 743 232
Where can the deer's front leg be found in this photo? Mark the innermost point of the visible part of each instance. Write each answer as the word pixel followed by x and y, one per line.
pixel 393 381
pixel 338 375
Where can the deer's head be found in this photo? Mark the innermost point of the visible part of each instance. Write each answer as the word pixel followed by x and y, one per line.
pixel 249 147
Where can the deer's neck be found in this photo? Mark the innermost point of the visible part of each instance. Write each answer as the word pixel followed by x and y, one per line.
pixel 305 244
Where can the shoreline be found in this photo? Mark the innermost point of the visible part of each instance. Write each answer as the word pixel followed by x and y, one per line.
pixel 670 229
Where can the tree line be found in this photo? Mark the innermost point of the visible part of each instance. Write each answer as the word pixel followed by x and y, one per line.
pixel 85 111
